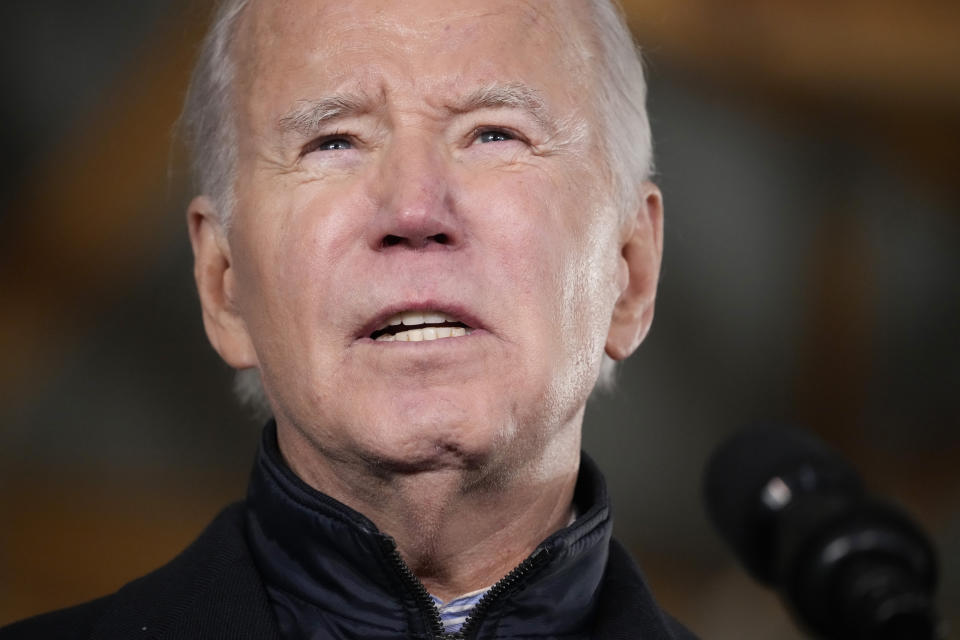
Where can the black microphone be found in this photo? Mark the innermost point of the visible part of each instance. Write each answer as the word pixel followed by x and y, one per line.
pixel 796 514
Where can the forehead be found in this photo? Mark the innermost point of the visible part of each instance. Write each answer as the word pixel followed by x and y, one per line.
pixel 305 46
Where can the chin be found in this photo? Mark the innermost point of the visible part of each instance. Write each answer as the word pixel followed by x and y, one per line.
pixel 432 431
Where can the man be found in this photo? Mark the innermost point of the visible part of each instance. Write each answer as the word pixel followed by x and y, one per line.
pixel 424 224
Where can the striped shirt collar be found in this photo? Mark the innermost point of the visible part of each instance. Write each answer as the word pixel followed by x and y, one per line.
pixel 453 613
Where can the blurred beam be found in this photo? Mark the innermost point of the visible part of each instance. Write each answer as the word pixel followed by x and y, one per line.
pixel 898 53
pixel 885 73
pixel 838 360
pixel 73 534
pixel 97 209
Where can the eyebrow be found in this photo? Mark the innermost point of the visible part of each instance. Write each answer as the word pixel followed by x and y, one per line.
pixel 308 116
pixel 509 96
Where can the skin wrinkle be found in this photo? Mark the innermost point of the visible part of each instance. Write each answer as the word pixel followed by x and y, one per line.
pixel 312 118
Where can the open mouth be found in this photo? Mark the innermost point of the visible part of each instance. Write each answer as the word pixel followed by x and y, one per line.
pixel 419 326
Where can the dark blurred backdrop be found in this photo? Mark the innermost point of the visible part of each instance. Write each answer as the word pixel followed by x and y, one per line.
pixel 808 153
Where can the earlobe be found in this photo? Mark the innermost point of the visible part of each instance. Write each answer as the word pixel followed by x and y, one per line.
pixel 640 256
pixel 214 275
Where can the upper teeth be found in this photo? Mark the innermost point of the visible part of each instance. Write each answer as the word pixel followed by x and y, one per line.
pixel 418 318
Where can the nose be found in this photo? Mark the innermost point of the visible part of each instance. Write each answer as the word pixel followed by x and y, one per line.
pixel 414 197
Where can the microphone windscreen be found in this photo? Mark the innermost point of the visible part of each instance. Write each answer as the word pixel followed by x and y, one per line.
pixel 758 472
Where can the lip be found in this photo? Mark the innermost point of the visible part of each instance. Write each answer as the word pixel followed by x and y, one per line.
pixel 455 310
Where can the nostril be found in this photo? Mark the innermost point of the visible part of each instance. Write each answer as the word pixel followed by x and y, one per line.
pixel 440 238
pixel 390 240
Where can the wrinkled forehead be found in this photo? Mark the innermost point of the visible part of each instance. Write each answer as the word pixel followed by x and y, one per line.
pixel 484 36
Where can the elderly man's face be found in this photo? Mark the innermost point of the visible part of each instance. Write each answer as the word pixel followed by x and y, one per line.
pixel 429 162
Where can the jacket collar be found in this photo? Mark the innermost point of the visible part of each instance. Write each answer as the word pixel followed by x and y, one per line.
pixel 330 572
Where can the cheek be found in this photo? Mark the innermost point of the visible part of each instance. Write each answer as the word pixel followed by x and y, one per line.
pixel 566 241
pixel 580 252
pixel 285 268
pixel 523 229
pixel 304 232
pixel 554 247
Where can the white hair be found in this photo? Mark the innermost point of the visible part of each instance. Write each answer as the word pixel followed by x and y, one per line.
pixel 209 125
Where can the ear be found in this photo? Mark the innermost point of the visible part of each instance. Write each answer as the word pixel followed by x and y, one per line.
pixel 215 277
pixel 640 255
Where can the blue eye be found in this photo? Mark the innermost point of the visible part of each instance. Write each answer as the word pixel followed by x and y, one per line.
pixel 333 144
pixel 494 135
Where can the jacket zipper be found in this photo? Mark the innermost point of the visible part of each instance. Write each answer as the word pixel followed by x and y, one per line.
pixel 420 593
pixel 497 591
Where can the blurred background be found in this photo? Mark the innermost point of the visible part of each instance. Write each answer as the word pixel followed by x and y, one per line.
pixel 809 154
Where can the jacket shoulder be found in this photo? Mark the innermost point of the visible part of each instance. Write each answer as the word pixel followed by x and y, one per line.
pixel 627 609
pixel 210 590
pixel 73 622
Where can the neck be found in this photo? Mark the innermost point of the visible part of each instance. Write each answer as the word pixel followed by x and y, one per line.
pixel 459 530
